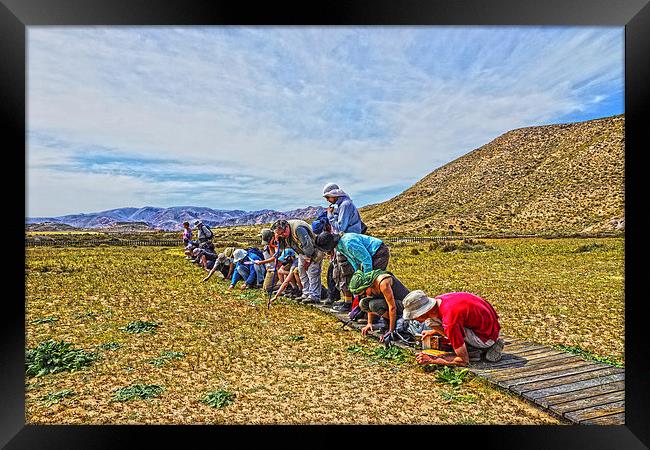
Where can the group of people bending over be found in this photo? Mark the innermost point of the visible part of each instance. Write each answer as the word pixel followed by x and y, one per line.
pixel 290 262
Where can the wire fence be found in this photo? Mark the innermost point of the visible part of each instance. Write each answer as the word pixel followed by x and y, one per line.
pixel 51 242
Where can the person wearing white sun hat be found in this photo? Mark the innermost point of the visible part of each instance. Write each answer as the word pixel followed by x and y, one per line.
pixel 469 323
pixel 246 269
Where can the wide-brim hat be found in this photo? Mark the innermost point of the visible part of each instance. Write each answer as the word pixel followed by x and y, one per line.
pixel 416 303
pixel 239 254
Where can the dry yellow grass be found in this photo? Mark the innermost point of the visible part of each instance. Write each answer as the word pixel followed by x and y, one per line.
pixel 231 342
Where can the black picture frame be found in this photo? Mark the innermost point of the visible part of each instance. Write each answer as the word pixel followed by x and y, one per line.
pixel 16 15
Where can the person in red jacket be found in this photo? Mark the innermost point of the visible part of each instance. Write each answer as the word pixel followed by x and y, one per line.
pixel 469 323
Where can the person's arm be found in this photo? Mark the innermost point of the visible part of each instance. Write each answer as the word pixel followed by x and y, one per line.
pixel 385 286
pixel 461 358
pixel 306 241
pixel 211 272
pixel 252 277
pixel 359 255
pixel 368 327
pixel 231 270
pixel 259 263
pixel 343 219
pixel 234 279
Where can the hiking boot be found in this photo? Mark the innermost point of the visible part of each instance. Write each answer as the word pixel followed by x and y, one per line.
pixel 345 307
pixel 310 300
pixel 337 304
pixel 493 354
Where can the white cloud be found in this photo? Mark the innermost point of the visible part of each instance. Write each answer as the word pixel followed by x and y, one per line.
pixel 369 108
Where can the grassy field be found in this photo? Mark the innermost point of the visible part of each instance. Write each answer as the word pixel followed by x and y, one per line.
pixel 294 364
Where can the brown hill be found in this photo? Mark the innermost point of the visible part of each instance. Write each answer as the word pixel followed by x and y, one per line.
pixel 566 178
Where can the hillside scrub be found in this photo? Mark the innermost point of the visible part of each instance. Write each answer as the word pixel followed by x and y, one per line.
pixel 291 364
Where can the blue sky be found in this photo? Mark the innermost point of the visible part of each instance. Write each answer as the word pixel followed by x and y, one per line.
pixel 262 117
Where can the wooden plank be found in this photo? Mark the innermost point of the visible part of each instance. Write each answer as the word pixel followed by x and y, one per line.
pixel 538 393
pixel 612 419
pixel 540 368
pixel 582 393
pixel 596 411
pixel 583 403
pixel 532 386
pixel 513 362
pixel 547 373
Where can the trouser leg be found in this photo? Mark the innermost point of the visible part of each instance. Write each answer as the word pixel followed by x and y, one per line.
pixel 381 257
pixel 332 291
pixel 302 273
pixel 314 275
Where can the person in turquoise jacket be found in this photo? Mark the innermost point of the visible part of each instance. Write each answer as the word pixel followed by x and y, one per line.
pixel 364 252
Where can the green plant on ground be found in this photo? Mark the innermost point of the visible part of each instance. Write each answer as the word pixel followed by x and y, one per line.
pixel 589 247
pixel 110 346
pixel 167 356
pixel 454 396
pixel 52 357
pixel 218 399
pixel 140 326
pixel 45 320
pixel 136 392
pixel 296 338
pixel 451 375
pixel 392 354
pixel 590 356
pixel 55 397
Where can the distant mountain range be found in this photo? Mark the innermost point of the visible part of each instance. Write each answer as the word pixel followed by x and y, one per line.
pixel 172 218
pixel 564 178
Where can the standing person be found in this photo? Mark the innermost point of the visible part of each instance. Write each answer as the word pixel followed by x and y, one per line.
pixel 298 235
pixel 204 235
pixel 187 233
pixel 343 217
pixel 470 323
pixel 333 293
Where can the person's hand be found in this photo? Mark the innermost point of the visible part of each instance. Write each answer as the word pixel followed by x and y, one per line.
pixel 243 286
pixel 257 263
pixel 426 333
pixel 365 329
pixel 205 279
pixel 387 338
pixel 424 359
pixel 230 287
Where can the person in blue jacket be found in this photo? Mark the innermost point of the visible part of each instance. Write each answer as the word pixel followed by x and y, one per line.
pixel 363 252
pixel 246 269
pixel 343 217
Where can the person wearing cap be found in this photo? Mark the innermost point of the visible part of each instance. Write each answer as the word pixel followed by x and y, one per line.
pixel 221 265
pixel 319 225
pixel 189 248
pixel 270 252
pixel 469 322
pixel 246 270
pixel 204 235
pixel 345 218
pixel 298 235
pixel 382 294
pixel 289 276
pixel 206 258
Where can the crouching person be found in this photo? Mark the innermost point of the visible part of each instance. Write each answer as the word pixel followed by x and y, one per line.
pixel 245 269
pixel 470 323
pixel 382 295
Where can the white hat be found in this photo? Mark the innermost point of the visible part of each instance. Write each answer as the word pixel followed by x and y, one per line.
pixel 416 303
pixel 196 251
pixel 239 254
pixel 333 190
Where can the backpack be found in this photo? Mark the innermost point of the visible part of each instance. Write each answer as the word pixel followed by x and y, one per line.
pixel 364 228
pixel 207 232
pixel 256 251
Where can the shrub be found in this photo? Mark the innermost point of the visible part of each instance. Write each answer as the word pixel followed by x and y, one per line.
pixel 166 356
pixel 452 376
pixel 55 397
pixel 589 247
pixel 415 252
pixel 218 399
pixel 52 357
pixel 45 320
pixel 140 327
pixel 137 392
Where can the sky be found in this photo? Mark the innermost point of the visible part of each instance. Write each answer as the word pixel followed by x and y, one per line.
pixel 251 118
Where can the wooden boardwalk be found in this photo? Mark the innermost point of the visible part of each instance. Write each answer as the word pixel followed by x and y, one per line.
pixel 582 392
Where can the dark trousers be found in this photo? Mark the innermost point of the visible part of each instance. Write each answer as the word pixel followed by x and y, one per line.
pixel 332 292
pixel 381 257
